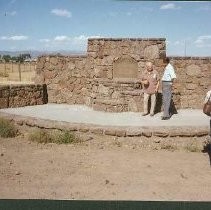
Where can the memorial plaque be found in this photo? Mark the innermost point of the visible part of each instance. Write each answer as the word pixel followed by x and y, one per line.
pixel 125 67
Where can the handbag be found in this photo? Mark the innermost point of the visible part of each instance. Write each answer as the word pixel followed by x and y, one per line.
pixel 207 107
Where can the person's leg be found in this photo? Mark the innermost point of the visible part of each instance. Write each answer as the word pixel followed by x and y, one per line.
pixel 153 102
pixel 166 98
pixel 146 99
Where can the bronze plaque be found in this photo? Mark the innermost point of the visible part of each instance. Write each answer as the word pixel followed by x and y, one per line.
pixel 125 68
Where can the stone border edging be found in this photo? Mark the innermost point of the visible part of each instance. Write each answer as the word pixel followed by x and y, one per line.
pixel 119 131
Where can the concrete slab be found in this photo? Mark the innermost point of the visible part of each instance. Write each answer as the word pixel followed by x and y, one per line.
pixel 86 115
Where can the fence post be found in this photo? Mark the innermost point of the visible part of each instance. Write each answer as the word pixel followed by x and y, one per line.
pixel 19 70
pixel 5 68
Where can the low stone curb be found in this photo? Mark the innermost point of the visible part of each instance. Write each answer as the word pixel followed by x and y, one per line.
pixel 120 131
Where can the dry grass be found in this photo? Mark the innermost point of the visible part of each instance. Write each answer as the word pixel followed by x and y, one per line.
pixel 10 72
pixel 58 137
pixel 169 147
pixel 193 147
pixel 7 129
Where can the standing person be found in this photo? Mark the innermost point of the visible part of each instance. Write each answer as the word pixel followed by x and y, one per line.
pixel 167 81
pixel 150 84
pixel 207 111
pixel 207 106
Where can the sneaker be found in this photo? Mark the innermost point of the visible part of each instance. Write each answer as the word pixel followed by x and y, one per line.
pixel 152 114
pixel 144 114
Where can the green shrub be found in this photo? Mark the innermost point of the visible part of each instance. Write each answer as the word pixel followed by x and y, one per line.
pixel 65 137
pixel 58 137
pixel 7 128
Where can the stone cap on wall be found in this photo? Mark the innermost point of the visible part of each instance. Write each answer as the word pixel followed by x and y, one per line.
pixel 128 39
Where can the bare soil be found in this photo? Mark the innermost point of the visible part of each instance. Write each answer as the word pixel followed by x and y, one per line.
pixel 104 168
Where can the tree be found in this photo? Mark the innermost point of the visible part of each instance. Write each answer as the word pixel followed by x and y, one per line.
pixel 14 58
pixel 6 58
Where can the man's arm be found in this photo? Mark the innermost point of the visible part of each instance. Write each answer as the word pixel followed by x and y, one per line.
pixel 172 73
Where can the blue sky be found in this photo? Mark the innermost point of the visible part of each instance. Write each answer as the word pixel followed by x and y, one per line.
pixel 66 24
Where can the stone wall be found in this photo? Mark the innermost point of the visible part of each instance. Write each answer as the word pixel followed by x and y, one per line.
pixel 116 65
pixel 193 79
pixel 22 95
pixel 107 77
pixel 65 78
pixel 103 53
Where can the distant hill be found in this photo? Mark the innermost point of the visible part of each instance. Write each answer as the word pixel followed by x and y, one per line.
pixel 36 53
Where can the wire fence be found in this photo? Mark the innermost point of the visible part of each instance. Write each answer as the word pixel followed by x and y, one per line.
pixel 17 72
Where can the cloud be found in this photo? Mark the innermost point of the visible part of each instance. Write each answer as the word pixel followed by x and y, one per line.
pixel 61 38
pixel 205 37
pixel 61 12
pixel 82 39
pixel 14 38
pixel 203 41
pixel 63 41
pixel 169 6
pixel 77 39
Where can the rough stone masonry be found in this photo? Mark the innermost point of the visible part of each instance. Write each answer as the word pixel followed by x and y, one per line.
pixel 107 77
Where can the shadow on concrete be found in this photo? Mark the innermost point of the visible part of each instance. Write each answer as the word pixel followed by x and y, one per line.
pixel 173 109
pixel 159 102
pixel 45 94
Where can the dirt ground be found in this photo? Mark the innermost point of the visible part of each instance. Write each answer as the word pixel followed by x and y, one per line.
pixel 104 168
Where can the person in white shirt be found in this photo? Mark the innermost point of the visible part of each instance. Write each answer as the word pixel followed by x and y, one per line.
pixel 167 81
pixel 206 100
pixel 207 97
